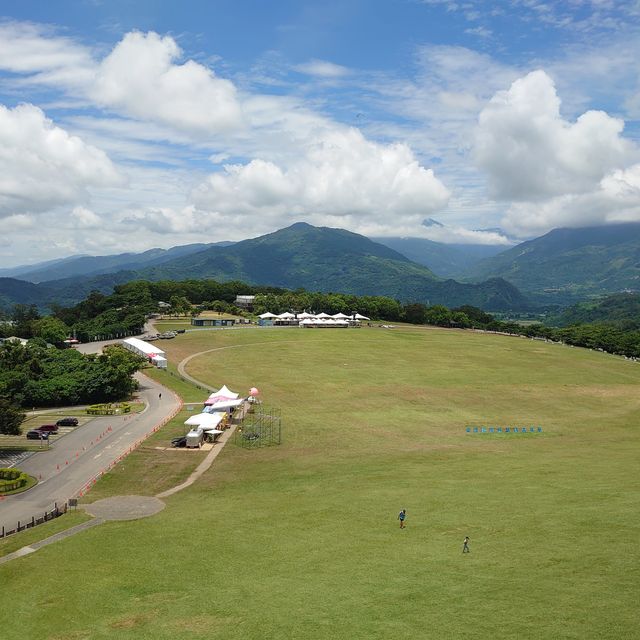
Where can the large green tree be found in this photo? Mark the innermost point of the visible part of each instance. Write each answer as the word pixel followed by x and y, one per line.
pixel 10 418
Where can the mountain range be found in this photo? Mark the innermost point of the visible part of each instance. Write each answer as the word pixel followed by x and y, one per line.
pixel 569 263
pixel 300 256
pixel 562 267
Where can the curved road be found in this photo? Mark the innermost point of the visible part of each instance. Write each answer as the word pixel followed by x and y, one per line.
pixel 74 459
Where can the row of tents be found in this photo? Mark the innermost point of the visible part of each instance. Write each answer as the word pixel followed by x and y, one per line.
pixel 311 319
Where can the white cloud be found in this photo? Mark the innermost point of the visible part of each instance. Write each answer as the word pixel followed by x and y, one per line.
pixel 42 166
pixel 140 77
pixel 460 235
pixel 84 218
pixel 322 69
pixel 18 221
pixel 530 152
pixel 34 49
pixel 616 199
pixel 341 175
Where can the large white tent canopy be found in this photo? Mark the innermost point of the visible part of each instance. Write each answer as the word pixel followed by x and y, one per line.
pixel 205 420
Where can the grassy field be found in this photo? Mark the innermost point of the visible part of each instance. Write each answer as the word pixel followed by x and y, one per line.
pixel 302 541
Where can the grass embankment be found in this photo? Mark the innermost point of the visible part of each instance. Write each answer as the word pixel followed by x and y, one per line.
pixel 302 540
pixel 29 536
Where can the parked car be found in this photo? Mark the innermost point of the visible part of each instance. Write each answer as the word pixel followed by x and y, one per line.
pixel 48 428
pixel 179 442
pixel 67 422
pixel 168 334
pixel 180 330
pixel 34 434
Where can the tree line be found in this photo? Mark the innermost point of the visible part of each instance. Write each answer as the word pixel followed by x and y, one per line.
pixel 34 375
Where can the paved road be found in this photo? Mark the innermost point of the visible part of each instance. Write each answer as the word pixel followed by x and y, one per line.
pixel 80 455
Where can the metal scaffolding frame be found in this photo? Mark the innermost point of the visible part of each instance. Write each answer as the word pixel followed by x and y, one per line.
pixel 261 427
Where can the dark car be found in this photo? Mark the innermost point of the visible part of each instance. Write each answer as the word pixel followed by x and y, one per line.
pixel 67 422
pixel 47 428
pixel 180 330
pixel 179 442
pixel 34 434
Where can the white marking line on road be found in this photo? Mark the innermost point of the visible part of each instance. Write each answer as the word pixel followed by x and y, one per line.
pixel 97 456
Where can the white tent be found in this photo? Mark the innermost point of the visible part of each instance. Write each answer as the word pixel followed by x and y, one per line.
pixel 359 317
pixel 323 315
pixel 220 395
pixel 205 420
pixel 305 316
pixel 285 316
pixel 340 316
pixel 264 316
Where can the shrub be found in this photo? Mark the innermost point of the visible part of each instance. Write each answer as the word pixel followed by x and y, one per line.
pixel 12 479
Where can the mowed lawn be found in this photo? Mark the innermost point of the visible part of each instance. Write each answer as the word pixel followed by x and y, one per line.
pixel 302 541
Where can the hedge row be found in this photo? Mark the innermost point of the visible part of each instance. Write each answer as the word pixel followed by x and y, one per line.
pixel 108 409
pixel 12 479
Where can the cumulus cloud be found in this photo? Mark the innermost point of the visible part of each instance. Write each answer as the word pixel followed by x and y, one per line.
pixel 530 152
pixel 555 172
pixel 341 174
pixel 616 199
pixel 42 166
pixel 141 78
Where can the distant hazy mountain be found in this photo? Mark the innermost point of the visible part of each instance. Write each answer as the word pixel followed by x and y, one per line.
pixel 20 271
pixel 96 265
pixel 13 291
pixel 445 260
pixel 581 262
pixel 303 256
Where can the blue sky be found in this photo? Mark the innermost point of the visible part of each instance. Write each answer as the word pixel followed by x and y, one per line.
pixel 126 126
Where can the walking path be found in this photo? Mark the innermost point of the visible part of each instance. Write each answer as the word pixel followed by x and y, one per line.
pixel 202 467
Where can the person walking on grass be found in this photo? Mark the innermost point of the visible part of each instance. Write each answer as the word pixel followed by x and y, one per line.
pixel 401 516
pixel 465 545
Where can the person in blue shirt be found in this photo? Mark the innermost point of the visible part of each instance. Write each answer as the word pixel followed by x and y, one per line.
pixel 401 516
